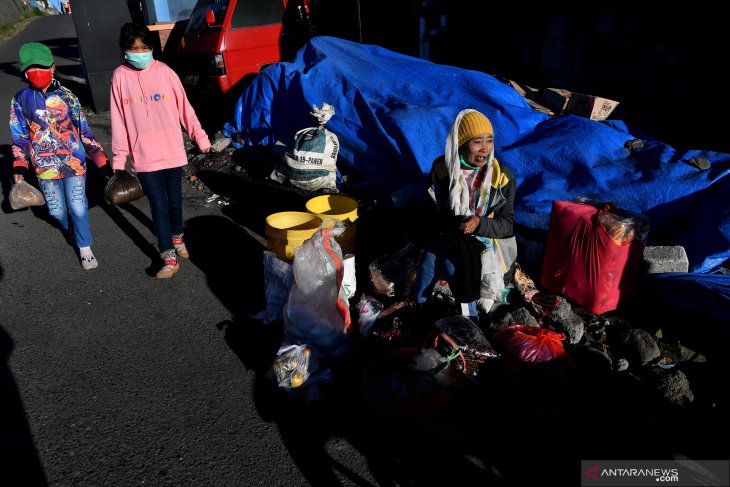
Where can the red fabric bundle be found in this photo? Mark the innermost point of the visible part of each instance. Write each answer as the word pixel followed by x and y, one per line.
pixel 583 263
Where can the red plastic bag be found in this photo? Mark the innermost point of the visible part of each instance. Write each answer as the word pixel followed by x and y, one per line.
pixel 529 344
pixel 583 262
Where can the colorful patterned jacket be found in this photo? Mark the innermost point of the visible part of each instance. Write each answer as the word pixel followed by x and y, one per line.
pixel 50 131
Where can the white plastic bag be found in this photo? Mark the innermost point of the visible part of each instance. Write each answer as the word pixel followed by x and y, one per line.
pixel 349 281
pixel 369 309
pixel 317 311
pixel 492 283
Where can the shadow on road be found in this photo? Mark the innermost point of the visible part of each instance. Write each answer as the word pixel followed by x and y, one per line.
pixel 316 434
pixel 6 181
pixel 19 462
pixel 95 183
pixel 70 74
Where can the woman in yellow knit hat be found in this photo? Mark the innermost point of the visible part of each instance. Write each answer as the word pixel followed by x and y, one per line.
pixel 472 244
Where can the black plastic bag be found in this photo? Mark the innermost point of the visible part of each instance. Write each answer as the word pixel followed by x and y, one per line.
pixel 24 195
pixel 122 188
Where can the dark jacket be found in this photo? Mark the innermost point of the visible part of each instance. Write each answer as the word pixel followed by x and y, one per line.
pixel 500 214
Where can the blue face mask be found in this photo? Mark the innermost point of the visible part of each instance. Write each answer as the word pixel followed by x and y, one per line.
pixel 139 60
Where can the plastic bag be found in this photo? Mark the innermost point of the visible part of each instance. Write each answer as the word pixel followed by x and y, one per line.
pixel 317 311
pixel 123 187
pixel 467 335
pixel 292 365
pixel 394 274
pixel 278 279
pixel 623 226
pixel 529 344
pixel 416 391
pixel 24 195
pixel 349 279
pixel 492 283
pixel 583 261
pixel 369 309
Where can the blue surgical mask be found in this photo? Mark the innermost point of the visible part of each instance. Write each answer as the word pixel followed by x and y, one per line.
pixel 139 60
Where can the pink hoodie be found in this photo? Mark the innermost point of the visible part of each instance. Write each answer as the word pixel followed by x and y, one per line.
pixel 147 107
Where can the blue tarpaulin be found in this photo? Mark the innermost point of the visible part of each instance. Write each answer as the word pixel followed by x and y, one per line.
pixel 393 113
pixel 707 293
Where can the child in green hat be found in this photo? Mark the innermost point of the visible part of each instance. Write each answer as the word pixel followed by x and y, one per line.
pixel 49 131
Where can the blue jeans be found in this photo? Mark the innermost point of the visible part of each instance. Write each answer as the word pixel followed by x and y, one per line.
pixel 426 277
pixel 69 194
pixel 164 192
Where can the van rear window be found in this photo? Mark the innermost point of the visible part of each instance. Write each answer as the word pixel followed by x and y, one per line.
pixel 249 13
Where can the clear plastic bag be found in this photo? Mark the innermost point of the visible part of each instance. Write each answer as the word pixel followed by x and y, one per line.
pixel 623 226
pixel 24 195
pixel 292 365
pixel 317 311
pixel 467 335
pixel 394 274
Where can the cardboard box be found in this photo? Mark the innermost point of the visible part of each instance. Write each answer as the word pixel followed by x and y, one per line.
pixel 555 99
pixel 536 106
pixel 593 107
pixel 524 90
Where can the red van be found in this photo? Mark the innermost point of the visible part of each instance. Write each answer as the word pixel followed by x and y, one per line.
pixel 225 40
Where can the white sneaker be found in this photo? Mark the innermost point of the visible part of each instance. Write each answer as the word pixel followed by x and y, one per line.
pixel 89 262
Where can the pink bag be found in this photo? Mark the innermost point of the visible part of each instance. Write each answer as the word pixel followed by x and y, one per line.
pixel 584 262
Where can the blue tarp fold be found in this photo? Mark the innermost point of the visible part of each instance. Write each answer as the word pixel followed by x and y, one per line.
pixel 393 113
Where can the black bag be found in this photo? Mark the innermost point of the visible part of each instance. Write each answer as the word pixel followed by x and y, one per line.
pixel 24 195
pixel 123 187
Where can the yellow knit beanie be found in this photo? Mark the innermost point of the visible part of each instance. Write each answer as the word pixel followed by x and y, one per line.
pixel 473 124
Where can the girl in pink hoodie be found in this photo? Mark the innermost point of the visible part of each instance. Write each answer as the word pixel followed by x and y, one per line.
pixel 148 103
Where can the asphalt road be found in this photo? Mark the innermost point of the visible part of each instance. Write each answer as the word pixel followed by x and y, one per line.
pixel 111 377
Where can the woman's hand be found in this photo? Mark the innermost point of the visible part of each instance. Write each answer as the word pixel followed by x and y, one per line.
pixel 469 225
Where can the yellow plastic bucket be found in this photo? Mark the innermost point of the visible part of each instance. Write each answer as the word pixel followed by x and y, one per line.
pixel 287 231
pixel 337 206
pixel 342 208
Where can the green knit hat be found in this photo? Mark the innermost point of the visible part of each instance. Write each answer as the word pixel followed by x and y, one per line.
pixel 34 53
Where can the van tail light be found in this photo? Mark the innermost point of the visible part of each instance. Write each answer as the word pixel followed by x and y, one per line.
pixel 219 66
